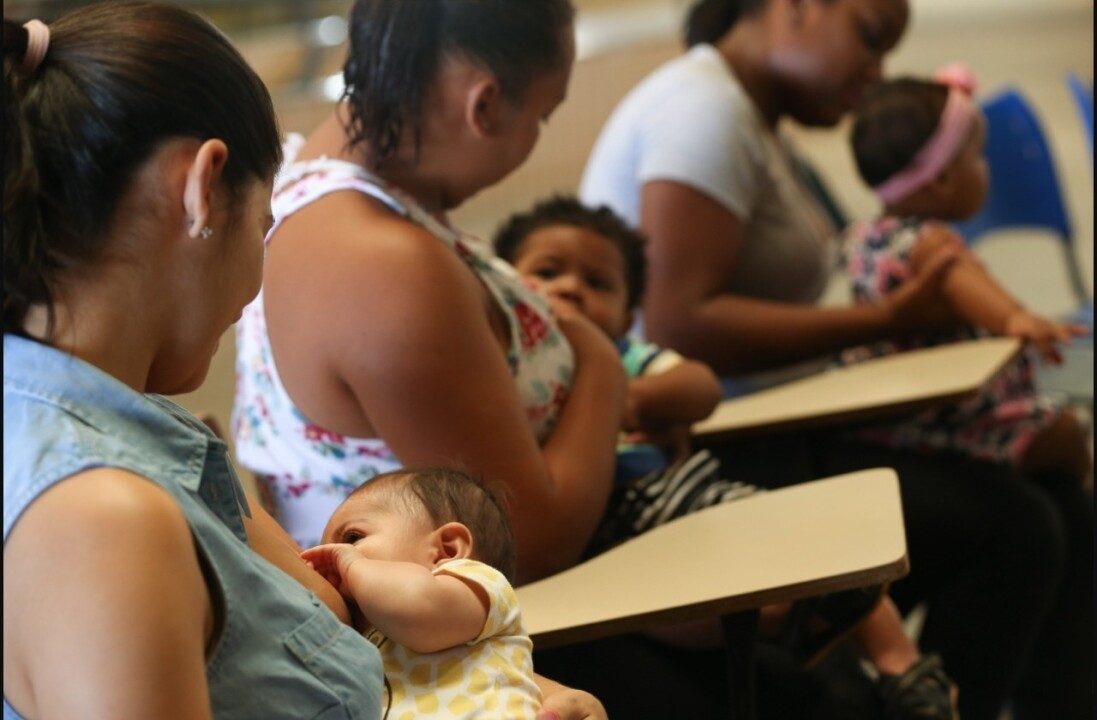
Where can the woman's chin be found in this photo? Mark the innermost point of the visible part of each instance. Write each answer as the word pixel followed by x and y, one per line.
pixel 181 386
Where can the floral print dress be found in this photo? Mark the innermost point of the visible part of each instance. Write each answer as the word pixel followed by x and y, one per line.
pixel 309 469
pixel 1000 422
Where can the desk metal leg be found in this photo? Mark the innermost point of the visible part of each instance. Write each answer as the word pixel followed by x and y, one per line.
pixel 740 633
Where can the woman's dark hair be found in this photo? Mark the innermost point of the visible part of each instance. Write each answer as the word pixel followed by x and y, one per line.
pixel 563 210
pixel 892 122
pixel 117 80
pixel 397 48
pixel 451 495
pixel 708 20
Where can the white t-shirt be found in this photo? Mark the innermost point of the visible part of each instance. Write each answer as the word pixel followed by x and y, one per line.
pixel 692 122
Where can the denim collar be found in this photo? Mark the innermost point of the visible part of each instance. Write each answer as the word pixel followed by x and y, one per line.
pixel 174 444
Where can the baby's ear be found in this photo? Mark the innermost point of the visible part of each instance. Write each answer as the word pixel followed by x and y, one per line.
pixel 452 541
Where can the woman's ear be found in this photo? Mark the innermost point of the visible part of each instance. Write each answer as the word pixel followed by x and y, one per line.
pixel 452 541
pixel 483 109
pixel 205 171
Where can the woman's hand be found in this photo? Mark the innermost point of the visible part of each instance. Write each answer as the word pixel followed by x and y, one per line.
pixel 594 350
pixel 587 340
pixel 673 439
pixel 564 703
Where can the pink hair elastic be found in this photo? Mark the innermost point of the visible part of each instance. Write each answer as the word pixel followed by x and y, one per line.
pixel 38 41
pixel 956 120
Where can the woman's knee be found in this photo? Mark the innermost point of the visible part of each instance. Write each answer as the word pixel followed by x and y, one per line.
pixel 1035 528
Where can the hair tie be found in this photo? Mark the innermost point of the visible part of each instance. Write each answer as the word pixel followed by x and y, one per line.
pixel 952 130
pixel 38 41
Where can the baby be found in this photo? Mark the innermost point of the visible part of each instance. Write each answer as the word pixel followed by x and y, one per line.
pixel 919 145
pixel 588 260
pixel 423 558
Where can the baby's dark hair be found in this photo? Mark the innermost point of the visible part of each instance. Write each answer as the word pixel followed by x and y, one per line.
pixel 117 81
pixel 566 210
pixel 892 122
pixel 451 495
pixel 397 48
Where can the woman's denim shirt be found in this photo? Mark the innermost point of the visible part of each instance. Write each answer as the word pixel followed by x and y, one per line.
pixel 281 652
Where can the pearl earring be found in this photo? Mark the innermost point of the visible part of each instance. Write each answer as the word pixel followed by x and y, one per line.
pixel 206 232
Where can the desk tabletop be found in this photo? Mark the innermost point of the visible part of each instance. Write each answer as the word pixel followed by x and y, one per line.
pixel 817 537
pixel 894 384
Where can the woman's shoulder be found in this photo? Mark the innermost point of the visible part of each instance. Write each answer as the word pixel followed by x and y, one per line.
pixel 105 499
pixel 369 269
pixel 697 79
pixel 350 233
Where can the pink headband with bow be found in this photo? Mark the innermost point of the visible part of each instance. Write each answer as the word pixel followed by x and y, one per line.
pixel 952 130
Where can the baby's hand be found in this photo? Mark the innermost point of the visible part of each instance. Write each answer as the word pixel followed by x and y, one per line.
pixel 325 559
pixel 1045 335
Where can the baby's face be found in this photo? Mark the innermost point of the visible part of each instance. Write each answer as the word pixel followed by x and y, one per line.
pixel 581 268
pixel 969 175
pixel 382 530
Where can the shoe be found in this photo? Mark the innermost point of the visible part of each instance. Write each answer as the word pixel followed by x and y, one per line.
pixel 923 692
pixel 661 496
pixel 817 625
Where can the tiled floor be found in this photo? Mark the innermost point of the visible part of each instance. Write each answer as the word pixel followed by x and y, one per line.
pixel 1032 45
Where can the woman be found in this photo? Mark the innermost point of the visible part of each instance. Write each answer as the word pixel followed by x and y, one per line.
pixel 382 336
pixel 739 253
pixel 139 153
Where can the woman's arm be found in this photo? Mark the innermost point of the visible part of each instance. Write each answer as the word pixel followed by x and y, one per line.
pixel 407 334
pixel 443 394
pixel 440 392
pixel 693 248
pixel 106 611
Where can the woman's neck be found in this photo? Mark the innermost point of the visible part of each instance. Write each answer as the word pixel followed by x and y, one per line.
pixel 87 324
pixel 744 50
pixel 403 170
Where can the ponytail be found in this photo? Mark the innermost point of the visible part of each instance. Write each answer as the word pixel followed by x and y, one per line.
pixel 404 59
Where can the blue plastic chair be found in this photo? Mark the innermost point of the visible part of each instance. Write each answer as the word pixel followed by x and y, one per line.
pixel 1024 187
pixel 1082 92
pixel 1025 193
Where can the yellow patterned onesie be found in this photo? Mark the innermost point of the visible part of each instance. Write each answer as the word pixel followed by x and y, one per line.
pixel 488 677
